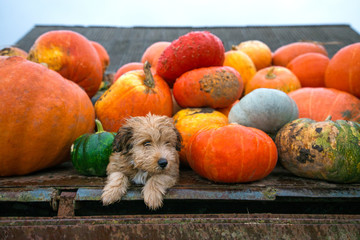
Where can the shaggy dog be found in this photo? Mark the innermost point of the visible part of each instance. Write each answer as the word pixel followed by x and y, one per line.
pixel 144 152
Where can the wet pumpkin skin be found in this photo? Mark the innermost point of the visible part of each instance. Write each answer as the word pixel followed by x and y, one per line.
pixel 327 150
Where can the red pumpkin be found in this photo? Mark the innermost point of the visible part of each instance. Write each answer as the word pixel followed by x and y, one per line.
pixel 319 103
pixel 41 115
pixel 284 54
pixel 128 67
pixel 153 52
pixel 72 55
pixel 310 69
pixel 232 154
pixel 135 93
pixel 103 55
pixel 343 71
pixel 193 50
pixel 214 87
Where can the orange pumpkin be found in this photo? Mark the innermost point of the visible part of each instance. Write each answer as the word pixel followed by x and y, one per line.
pixel 227 109
pixel 319 103
pixel 242 63
pixel 259 52
pixel 103 55
pixel 40 116
pixel 275 77
pixel 310 69
pixel 214 87
pixel 284 54
pixel 128 67
pixel 13 51
pixel 72 55
pixel 232 154
pixel 343 72
pixel 153 52
pixel 190 120
pixel 135 93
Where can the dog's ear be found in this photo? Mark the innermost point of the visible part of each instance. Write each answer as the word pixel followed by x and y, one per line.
pixel 122 141
pixel 178 140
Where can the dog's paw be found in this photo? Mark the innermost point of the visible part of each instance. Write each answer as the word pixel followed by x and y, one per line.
pixel 110 196
pixel 153 199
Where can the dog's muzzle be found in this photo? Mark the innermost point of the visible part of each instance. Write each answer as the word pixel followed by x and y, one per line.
pixel 162 162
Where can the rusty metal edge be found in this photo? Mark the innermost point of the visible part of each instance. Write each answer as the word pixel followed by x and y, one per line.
pixel 29 195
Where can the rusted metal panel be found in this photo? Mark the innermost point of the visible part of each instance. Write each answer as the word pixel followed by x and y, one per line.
pixel 66 204
pixel 28 195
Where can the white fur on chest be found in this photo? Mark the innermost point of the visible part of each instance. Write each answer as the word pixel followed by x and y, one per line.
pixel 140 177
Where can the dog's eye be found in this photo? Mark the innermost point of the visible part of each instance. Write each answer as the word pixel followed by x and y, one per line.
pixel 147 143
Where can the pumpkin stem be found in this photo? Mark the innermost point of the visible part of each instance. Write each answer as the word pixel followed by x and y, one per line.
pixel 328 118
pixel 99 126
pixel 234 47
pixel 149 79
pixel 270 74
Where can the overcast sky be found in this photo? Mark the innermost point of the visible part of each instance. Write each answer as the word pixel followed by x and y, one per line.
pixel 17 17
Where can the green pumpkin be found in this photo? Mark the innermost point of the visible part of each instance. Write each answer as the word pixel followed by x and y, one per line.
pixel 90 152
pixel 328 150
pixel 265 109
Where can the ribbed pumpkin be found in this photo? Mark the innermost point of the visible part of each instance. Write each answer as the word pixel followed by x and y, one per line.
pixel 193 50
pixel 284 54
pixel 190 120
pixel 326 150
pixel 264 108
pixel 70 54
pixel 275 77
pixel 135 93
pixel 232 154
pixel 41 115
pixel 318 103
pixel 91 151
pixel 343 71
pixel 214 87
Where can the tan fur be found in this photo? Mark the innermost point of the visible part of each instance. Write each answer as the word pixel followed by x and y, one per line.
pixel 138 146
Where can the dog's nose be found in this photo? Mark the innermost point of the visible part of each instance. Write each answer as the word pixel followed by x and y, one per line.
pixel 162 162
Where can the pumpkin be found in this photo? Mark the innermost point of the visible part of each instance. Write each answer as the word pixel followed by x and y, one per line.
pixel 310 69
pixel 193 50
pixel 190 120
pixel 90 152
pixel 227 109
pixel 242 63
pixel 103 55
pixel 326 150
pixel 265 109
pixel 41 116
pixel 284 54
pixel 135 93
pixel 70 54
pixel 275 77
pixel 13 51
pixel 153 52
pixel 343 71
pixel 232 154
pixel 259 52
pixel 214 87
pixel 128 67
pixel 318 103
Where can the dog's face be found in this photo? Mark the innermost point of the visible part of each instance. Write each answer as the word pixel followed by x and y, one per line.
pixel 149 143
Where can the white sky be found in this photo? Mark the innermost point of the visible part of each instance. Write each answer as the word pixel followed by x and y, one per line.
pixel 17 17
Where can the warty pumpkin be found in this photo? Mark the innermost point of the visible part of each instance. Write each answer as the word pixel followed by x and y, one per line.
pixel 232 154
pixel 41 115
pixel 135 93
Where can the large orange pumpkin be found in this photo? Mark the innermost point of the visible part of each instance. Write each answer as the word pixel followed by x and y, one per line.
pixel 128 67
pixel 135 93
pixel 310 69
pixel 72 55
pixel 41 115
pixel 13 51
pixel 275 77
pixel 190 120
pixel 319 103
pixel 214 87
pixel 232 154
pixel 103 54
pixel 343 71
pixel 284 54
pixel 242 63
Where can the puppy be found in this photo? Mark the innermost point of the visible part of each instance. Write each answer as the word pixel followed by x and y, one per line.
pixel 145 151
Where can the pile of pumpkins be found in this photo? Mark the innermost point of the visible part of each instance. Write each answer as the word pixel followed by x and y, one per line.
pixel 238 111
